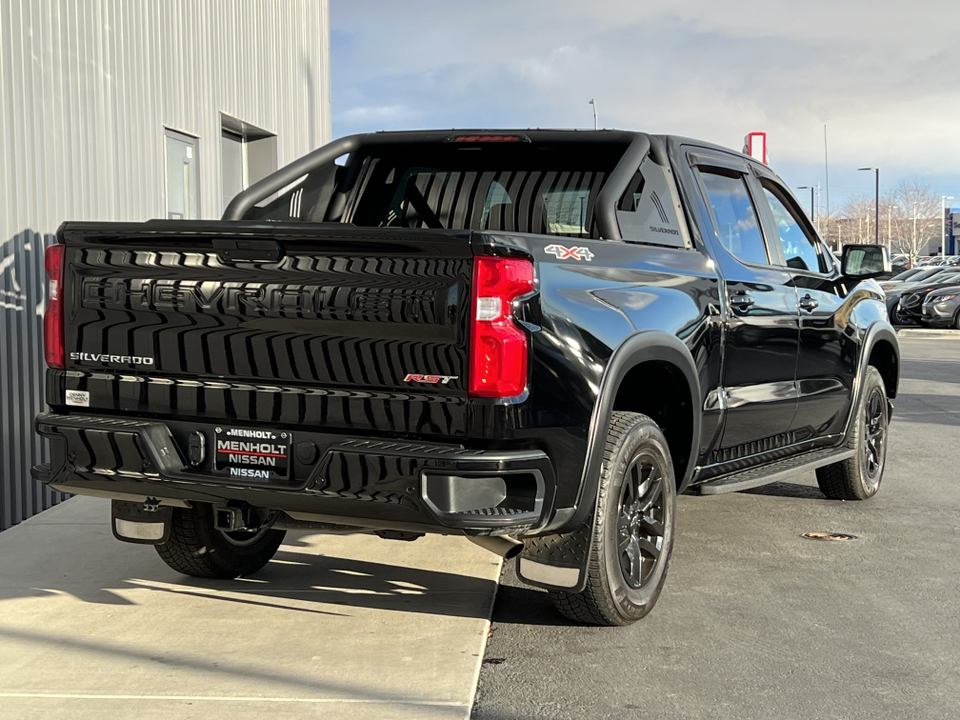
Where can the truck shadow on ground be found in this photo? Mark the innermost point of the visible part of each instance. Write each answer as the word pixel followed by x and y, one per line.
pixel 293 581
pixel 520 605
pixel 308 579
pixel 787 489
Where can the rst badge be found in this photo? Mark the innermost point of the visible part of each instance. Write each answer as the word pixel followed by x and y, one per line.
pixel 569 253
pixel 430 379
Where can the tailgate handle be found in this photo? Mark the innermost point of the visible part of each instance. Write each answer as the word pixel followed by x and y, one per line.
pixel 233 250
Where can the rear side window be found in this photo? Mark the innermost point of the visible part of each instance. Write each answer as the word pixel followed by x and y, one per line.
pixel 737 225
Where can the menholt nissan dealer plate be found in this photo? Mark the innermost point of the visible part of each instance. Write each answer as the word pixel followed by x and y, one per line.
pixel 252 454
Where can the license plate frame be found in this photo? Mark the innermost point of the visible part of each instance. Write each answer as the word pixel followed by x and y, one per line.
pixel 252 454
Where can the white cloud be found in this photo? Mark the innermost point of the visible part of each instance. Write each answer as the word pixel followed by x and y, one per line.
pixel 878 75
pixel 382 113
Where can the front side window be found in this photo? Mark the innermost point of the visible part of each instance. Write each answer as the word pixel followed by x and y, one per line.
pixel 801 251
pixel 737 225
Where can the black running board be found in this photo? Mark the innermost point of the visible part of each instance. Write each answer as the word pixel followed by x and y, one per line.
pixel 774 472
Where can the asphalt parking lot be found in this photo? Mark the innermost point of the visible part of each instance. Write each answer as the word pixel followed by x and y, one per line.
pixel 756 622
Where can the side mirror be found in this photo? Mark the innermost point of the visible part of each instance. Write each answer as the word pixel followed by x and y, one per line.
pixel 865 261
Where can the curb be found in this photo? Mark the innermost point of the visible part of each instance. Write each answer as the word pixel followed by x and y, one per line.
pixel 928 333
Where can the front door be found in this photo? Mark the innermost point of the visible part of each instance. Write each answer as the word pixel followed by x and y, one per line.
pixel 827 362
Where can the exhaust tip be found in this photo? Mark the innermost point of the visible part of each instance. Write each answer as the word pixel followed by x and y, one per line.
pixel 505 547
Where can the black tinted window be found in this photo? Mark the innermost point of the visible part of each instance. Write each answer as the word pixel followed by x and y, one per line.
pixel 737 224
pixel 525 187
pixel 800 250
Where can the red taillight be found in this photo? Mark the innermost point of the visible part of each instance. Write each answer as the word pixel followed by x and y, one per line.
pixel 498 347
pixel 53 316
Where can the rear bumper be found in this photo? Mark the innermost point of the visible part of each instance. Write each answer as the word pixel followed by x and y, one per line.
pixel 372 483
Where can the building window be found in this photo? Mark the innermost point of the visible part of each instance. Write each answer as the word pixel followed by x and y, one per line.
pixel 183 176
pixel 247 154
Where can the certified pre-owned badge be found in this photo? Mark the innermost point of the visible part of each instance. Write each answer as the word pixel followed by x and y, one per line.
pixel 569 253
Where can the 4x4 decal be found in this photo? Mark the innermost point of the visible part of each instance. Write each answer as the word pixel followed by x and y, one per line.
pixel 564 253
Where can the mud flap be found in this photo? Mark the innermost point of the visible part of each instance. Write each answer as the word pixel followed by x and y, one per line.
pixel 143 523
pixel 557 562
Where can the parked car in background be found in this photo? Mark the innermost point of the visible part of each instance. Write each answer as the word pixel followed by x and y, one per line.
pixel 909 307
pixel 939 260
pixel 912 276
pixel 941 308
pixel 901 277
pixel 900 262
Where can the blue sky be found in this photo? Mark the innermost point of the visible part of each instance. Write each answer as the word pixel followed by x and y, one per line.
pixel 878 75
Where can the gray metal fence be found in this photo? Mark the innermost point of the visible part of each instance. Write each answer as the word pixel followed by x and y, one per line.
pixel 22 293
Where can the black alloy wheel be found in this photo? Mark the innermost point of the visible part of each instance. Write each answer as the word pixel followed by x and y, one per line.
pixel 858 477
pixel 875 436
pixel 631 533
pixel 641 526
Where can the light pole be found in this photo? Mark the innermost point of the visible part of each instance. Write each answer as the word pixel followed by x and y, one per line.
pixel 876 218
pixel 915 249
pixel 943 222
pixel 594 113
pixel 810 188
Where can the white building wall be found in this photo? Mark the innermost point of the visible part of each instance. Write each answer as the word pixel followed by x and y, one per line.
pixel 88 87
pixel 86 90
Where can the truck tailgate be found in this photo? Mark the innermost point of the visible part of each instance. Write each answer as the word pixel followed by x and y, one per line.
pixel 327 326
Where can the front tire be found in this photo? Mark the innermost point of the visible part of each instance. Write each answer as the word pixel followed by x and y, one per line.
pixel 196 547
pixel 858 478
pixel 632 536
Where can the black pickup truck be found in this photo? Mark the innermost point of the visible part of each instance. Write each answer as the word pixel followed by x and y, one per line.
pixel 535 339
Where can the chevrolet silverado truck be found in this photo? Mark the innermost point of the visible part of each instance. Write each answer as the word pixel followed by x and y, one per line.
pixel 535 339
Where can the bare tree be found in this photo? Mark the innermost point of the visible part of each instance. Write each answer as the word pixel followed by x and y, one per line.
pixel 909 220
pixel 855 224
pixel 917 210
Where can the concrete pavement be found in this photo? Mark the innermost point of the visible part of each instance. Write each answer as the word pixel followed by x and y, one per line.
pixel 334 627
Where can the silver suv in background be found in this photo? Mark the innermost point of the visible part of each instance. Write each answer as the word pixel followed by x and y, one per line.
pixel 941 308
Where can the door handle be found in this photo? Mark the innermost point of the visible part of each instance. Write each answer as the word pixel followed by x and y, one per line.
pixel 741 302
pixel 808 303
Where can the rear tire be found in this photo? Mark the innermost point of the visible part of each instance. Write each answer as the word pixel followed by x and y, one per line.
pixel 196 547
pixel 632 534
pixel 858 478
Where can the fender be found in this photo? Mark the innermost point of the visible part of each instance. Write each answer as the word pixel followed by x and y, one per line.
pixel 559 561
pixel 875 333
pixel 636 349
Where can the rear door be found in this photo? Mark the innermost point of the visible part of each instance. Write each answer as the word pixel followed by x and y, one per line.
pixel 334 328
